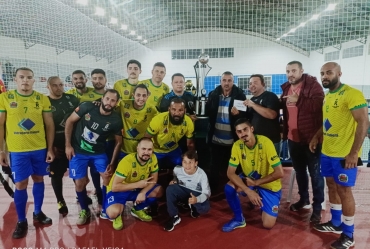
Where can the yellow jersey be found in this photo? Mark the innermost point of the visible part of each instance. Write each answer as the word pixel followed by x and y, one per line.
pixel 257 162
pixel 88 96
pixel 166 135
pixel 135 123
pixel 339 126
pixel 132 171
pixel 124 88
pixel 156 92
pixel 25 130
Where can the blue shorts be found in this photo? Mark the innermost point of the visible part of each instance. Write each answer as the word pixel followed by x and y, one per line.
pixel 123 197
pixel 174 157
pixel 78 164
pixel 270 199
pixel 331 167
pixel 25 164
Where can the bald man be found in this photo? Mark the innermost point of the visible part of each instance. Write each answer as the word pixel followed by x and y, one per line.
pixel 345 124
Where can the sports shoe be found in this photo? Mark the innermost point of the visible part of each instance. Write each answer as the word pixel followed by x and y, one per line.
pixel 42 218
pixel 233 224
pixel 327 227
pixel 315 217
pixel 299 205
pixel 20 230
pixel 140 214
pixel 104 216
pixel 62 207
pixel 193 211
pixel 118 223
pixel 171 223
pixel 343 242
pixel 83 216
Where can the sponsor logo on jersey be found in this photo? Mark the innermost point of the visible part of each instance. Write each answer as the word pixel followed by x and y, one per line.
pixel 241 146
pixel 13 105
pixel 133 164
pixel 275 209
pixel 244 156
pixel 87 117
pixel 127 105
pixel 10 96
pixel 127 115
pixel 106 128
pixel 126 92
pixel 91 96
pixel 274 158
pixel 260 146
pixel 53 109
pixel 343 178
pixel 26 124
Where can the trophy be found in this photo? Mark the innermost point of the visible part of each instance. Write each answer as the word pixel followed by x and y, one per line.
pixel 189 87
pixel 201 70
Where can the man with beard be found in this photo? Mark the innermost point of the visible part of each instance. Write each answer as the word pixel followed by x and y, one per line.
pixel 260 177
pixel 345 124
pixel 156 87
pixel 91 125
pixel 62 105
pixel 136 115
pixel 81 91
pixel 167 129
pixel 135 180
pixel 302 100
pixel 125 87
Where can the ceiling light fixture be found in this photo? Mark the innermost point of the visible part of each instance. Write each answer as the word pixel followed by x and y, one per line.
pixel 315 17
pixel 139 37
pixel 133 32
pixel 145 41
pixel 331 7
pixel 285 35
pixel 292 30
pixel 99 11
pixel 302 24
pixel 82 2
pixel 124 27
pixel 113 20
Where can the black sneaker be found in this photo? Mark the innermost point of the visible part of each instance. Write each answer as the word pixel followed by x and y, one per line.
pixel 343 242
pixel 171 223
pixel 62 207
pixel 20 230
pixel 327 227
pixel 193 211
pixel 42 218
pixel 299 205
pixel 315 217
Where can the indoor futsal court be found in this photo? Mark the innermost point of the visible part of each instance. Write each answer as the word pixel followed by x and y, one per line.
pixel 201 39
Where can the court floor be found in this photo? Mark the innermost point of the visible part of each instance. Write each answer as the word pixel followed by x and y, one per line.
pixel 291 231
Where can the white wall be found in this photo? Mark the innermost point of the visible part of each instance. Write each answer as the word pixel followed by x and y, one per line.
pixel 251 55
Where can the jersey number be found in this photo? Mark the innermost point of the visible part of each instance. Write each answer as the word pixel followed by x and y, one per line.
pixel 94 126
pixel 25 109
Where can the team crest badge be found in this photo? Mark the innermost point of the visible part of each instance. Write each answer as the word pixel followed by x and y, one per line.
pixel 13 105
pixel 343 178
pixel 134 174
pixel 260 146
pixel 275 209
pixel 126 92
pixel 87 117
pixel 127 115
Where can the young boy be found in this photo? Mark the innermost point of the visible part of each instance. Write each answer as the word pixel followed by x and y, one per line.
pixel 190 184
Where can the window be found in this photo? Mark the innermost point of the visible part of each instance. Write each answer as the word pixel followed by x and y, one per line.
pixel 183 54
pixel 332 56
pixel 353 52
pixel 243 83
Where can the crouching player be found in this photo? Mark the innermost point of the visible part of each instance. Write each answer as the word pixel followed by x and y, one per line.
pixel 135 180
pixel 260 179
pixel 190 185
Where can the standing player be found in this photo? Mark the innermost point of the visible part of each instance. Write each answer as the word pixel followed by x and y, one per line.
pixel 134 180
pixel 167 129
pixel 345 124
pixel 62 105
pixel 93 125
pixel 81 91
pixel 29 137
pixel 156 87
pixel 136 115
pixel 125 87
pixel 260 179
